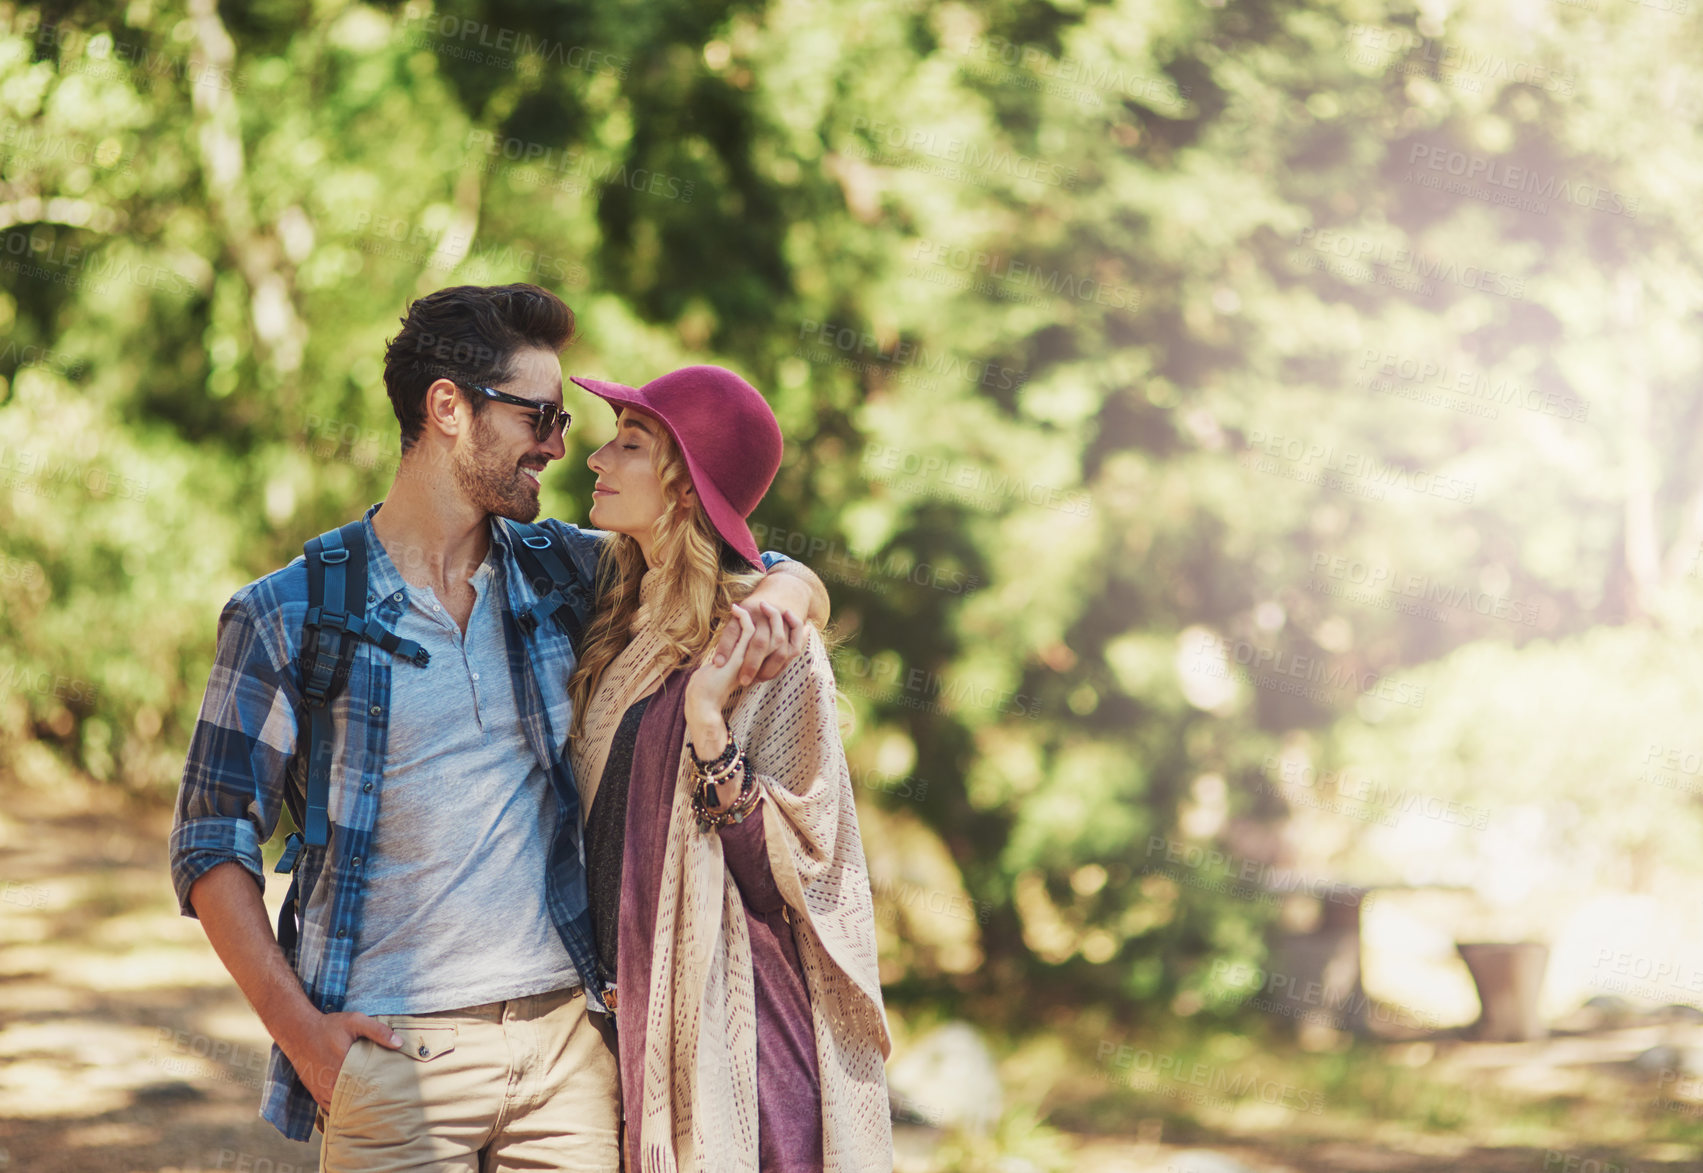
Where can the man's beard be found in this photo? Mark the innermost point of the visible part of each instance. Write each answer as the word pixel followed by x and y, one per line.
pixel 492 483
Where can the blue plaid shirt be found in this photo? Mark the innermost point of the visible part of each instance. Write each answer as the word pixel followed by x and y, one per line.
pixel 243 769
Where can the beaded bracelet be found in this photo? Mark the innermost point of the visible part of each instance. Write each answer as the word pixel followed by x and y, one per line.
pixel 703 796
pixel 727 755
pixel 719 775
pixel 704 806
pixel 734 815
pixel 703 793
pixel 744 805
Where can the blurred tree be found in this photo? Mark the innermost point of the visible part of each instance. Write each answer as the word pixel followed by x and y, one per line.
pixel 1161 383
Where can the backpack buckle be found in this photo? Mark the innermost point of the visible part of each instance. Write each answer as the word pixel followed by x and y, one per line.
pixel 334 557
pixel 292 853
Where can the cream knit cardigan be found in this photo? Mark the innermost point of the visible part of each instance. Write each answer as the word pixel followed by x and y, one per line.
pixel 700 1079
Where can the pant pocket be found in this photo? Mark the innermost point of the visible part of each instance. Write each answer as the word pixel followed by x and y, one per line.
pixel 354 1063
pixel 424 1042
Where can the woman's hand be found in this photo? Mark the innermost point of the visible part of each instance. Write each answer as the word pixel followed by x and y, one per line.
pixel 780 633
pixel 707 692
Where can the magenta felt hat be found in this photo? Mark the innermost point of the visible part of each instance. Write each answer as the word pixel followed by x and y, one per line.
pixel 727 433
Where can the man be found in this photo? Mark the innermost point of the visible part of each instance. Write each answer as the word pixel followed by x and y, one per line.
pixel 436 1005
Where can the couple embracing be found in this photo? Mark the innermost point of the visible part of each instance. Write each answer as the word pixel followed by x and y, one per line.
pixel 578 883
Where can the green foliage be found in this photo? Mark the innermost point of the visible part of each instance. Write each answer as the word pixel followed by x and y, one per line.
pixel 1045 298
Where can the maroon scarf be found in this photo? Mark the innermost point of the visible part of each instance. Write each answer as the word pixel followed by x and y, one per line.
pixel 650 803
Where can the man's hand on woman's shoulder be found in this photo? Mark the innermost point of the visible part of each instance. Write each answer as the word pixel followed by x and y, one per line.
pixel 779 610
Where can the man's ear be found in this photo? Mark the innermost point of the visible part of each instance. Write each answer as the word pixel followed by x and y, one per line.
pixel 445 408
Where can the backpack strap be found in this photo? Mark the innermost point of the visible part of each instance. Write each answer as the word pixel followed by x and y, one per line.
pixel 544 559
pixel 336 622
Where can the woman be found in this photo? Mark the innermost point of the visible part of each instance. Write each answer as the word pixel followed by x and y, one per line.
pixel 728 882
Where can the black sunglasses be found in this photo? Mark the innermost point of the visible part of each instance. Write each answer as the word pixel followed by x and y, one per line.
pixel 545 415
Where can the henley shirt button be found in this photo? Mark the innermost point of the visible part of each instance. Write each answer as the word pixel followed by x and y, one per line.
pixel 397 597
pixel 356 862
pixel 367 788
pixel 376 710
pixel 341 933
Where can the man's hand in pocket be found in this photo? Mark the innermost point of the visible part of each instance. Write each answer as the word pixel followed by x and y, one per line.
pixel 318 1050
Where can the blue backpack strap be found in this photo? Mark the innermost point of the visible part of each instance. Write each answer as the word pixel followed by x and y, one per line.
pixel 336 621
pixel 544 559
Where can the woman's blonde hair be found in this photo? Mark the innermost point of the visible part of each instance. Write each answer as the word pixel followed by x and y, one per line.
pixel 702 577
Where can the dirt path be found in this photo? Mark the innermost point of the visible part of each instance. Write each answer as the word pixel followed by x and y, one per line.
pixel 125 1048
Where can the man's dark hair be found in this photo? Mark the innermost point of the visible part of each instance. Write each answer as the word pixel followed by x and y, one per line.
pixel 469 334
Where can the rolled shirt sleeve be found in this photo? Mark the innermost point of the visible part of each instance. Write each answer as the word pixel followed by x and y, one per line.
pixel 233 780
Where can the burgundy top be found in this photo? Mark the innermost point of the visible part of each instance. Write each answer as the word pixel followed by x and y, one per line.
pixel 789 1113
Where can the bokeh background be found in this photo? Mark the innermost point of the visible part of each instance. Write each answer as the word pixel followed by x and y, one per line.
pixel 1250 446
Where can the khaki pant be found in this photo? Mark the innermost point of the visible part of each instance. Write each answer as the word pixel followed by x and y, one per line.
pixel 530 1083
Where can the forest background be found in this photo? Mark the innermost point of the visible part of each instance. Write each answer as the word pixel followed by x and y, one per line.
pixel 1246 443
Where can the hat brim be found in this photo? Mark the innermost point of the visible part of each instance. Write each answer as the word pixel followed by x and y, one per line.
pixel 728 521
